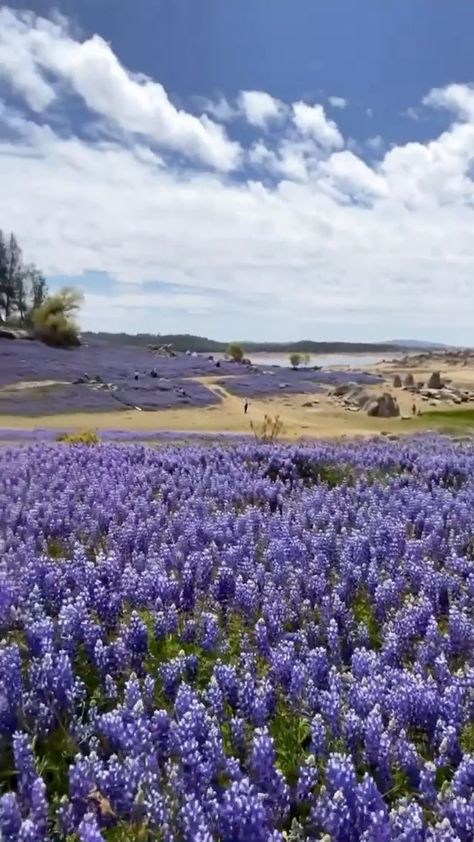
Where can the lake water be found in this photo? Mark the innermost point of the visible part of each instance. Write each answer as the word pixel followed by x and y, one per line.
pixel 324 360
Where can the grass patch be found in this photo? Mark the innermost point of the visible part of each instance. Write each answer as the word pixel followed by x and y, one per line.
pixel 88 437
pixel 467 738
pixel 450 418
pixel 57 549
pixel 291 733
pixel 364 613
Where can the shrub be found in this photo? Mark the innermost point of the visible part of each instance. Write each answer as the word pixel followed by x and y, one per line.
pixel 89 437
pixel 52 321
pixel 236 352
pixel 269 430
pixel 295 359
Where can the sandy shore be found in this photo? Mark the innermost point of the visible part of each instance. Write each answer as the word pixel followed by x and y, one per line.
pixel 325 419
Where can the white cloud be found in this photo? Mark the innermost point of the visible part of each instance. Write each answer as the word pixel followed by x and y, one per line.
pixel 457 98
pixel 368 248
pixel 337 101
pixel 31 46
pixel 311 121
pixel 220 109
pixel 347 174
pixel 260 108
pixel 375 143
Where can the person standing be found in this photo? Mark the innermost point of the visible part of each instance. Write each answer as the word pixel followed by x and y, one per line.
pixel 246 406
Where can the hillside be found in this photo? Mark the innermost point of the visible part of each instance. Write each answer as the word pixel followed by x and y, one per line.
pixel 188 342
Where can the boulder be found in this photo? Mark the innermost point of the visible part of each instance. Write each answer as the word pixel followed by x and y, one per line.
pixel 384 406
pixel 14 333
pixel 435 381
pixel 372 407
pixel 409 381
pixel 397 382
pixel 6 333
pixel 343 389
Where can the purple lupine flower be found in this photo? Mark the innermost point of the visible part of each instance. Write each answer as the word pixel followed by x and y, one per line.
pixel 10 817
pixel 89 830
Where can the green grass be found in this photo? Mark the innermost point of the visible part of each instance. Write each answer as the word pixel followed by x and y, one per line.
pixel 449 418
pixel 364 613
pixel 467 737
pixel 291 733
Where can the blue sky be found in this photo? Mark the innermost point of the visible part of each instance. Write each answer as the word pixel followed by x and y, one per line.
pixel 245 169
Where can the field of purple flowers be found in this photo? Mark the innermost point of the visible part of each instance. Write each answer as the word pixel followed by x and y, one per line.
pixel 237 643
pixel 175 384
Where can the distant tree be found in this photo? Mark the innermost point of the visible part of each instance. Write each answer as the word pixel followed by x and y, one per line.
pixel 10 272
pixel 53 321
pixel 38 288
pixel 22 288
pixel 306 359
pixel 295 359
pixel 236 352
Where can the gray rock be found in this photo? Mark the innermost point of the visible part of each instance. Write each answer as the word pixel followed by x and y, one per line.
pixel 409 381
pixel 344 389
pixel 385 406
pixel 14 333
pixel 435 381
pixel 397 382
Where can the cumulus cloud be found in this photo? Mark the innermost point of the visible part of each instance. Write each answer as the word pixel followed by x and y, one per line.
pixel 337 101
pixel 260 108
pixel 457 98
pixel 330 239
pixel 311 121
pixel 375 143
pixel 31 47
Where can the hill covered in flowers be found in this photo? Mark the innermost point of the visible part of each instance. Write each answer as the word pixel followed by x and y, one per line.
pixel 237 643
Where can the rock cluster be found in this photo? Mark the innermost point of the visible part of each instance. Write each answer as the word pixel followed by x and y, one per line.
pixel 95 383
pixel 355 398
pixel 14 333
pixel 163 350
pixel 436 390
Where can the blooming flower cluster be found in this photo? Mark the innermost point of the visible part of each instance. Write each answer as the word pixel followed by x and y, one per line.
pixel 237 643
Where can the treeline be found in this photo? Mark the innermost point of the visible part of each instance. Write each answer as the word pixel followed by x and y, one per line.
pixel 25 302
pixel 188 342
pixel 22 286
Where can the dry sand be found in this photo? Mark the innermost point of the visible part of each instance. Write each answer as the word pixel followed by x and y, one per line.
pixel 325 419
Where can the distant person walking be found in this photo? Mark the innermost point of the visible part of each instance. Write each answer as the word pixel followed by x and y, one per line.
pixel 246 406
pixel 136 375
pixel 413 409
